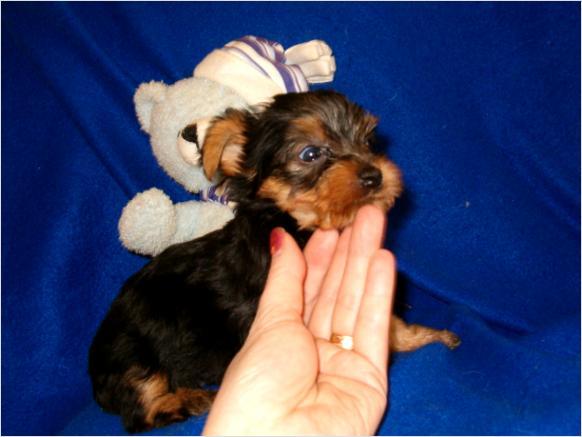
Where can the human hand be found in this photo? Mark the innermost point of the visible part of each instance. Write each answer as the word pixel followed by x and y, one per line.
pixel 288 378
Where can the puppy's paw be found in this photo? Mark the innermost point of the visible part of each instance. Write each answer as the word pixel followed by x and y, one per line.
pixel 196 401
pixel 164 418
pixel 450 339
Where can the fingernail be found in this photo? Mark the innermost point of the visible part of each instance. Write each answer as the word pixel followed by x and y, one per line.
pixel 276 240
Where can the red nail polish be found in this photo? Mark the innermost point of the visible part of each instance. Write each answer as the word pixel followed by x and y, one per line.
pixel 276 240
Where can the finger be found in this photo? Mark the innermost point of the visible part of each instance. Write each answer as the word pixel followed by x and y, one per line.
pixel 371 333
pixel 366 240
pixel 321 317
pixel 318 255
pixel 282 298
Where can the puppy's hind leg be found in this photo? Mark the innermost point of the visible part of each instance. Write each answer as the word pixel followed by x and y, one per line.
pixel 405 338
pixel 178 406
pixel 156 405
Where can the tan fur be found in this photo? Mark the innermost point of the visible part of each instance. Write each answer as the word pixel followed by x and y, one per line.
pixel 157 401
pixel 150 389
pixel 307 127
pixel 391 183
pixel 223 145
pixel 276 190
pixel 337 196
pixel 406 338
pixel 196 401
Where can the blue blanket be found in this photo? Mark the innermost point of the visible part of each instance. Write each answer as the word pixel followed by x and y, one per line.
pixel 480 107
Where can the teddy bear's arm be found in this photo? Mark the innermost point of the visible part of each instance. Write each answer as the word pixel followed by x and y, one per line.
pixel 195 219
pixel 150 222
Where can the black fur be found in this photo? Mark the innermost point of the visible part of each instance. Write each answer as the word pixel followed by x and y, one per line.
pixel 187 312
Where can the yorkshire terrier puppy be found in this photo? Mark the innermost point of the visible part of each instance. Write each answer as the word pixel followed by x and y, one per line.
pixel 302 162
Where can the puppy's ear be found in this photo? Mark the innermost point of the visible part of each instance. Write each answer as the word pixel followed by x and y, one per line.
pixel 224 144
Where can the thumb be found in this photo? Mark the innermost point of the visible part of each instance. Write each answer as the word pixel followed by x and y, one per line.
pixel 282 297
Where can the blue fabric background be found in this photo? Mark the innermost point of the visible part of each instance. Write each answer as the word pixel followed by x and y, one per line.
pixel 480 107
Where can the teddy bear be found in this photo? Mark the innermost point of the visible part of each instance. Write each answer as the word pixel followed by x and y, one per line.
pixel 245 72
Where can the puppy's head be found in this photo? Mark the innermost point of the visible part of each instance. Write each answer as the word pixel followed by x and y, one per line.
pixel 307 152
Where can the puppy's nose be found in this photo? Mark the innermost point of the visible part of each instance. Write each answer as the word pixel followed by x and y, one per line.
pixel 370 177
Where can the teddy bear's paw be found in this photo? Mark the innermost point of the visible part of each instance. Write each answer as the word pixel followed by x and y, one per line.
pixel 307 51
pixel 321 70
pixel 195 219
pixel 148 222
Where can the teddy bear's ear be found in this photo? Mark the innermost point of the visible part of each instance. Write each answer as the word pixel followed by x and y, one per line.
pixel 144 99
pixel 223 146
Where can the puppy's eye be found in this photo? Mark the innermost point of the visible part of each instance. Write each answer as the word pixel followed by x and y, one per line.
pixel 311 153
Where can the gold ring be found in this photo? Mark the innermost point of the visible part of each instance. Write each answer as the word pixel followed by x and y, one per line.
pixel 344 341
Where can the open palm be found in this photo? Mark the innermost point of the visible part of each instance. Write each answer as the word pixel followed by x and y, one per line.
pixel 288 378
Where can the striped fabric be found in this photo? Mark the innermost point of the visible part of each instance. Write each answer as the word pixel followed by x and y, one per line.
pixel 268 58
pixel 210 195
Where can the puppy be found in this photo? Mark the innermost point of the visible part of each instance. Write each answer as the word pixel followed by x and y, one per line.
pixel 301 162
